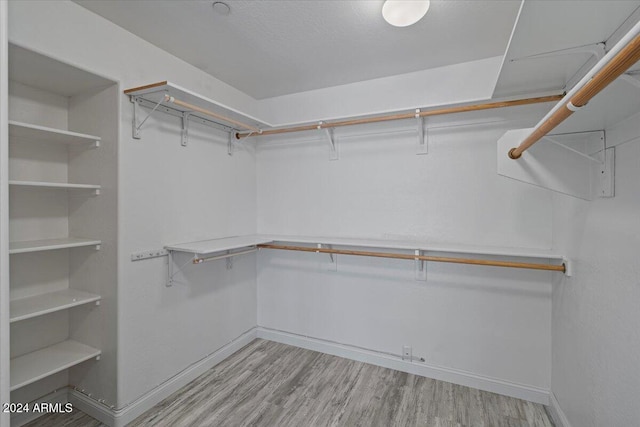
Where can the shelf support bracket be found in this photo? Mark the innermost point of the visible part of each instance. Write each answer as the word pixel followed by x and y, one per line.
pixel 230 146
pixel 332 265
pixel 171 268
pixel 333 147
pixel 135 124
pixel 568 267
pixel 170 273
pixel 423 138
pixel 421 267
pixel 185 129
pixel 229 261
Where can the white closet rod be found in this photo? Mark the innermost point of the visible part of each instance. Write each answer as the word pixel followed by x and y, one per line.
pixel 229 255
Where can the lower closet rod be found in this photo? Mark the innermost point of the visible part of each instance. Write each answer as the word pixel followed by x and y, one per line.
pixel 229 255
pixel 508 264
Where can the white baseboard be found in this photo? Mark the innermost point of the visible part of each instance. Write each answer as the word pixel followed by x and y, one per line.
pixel 121 417
pixel 520 391
pixel 58 396
pixel 557 414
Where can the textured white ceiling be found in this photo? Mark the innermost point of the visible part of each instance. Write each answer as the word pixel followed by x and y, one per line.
pixel 271 48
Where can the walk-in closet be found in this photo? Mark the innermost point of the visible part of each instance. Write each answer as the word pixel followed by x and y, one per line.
pixel 319 213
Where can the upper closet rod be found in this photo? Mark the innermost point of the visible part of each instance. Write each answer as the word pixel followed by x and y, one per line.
pixel 402 116
pixel 618 60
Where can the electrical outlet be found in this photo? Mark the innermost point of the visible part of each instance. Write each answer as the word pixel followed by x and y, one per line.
pixel 407 352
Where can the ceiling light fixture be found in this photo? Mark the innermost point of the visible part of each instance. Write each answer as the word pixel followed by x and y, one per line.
pixel 221 8
pixel 402 13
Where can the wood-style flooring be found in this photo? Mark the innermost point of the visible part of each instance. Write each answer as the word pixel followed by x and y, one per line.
pixel 272 384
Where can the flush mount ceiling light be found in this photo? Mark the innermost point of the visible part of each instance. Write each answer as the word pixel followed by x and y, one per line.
pixel 221 8
pixel 402 13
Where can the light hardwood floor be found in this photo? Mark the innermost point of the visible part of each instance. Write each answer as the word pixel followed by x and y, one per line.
pixel 271 384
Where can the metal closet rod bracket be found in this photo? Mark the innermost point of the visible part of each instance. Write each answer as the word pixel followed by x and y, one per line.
pixel 423 138
pixel 332 265
pixel 137 126
pixel 331 140
pixel 421 266
pixel 185 117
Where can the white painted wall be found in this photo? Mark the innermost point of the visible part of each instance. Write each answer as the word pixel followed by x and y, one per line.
pixel 489 322
pixel 595 313
pixel 421 89
pixel 167 194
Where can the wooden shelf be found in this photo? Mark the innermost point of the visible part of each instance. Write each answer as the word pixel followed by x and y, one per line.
pixel 205 247
pixel 38 305
pixel 218 245
pixel 37 365
pixel 49 244
pixel 149 96
pixel 57 185
pixel 42 133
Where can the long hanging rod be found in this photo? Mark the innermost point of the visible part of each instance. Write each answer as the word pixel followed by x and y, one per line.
pixel 618 60
pixel 192 107
pixel 508 264
pixel 402 116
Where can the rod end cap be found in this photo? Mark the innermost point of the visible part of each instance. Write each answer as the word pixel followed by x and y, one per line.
pixel 513 156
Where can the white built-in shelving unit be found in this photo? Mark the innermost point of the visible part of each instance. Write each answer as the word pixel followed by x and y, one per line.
pixel 62 226
pixel 38 364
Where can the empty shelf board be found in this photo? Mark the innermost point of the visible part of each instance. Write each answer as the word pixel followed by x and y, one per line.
pixel 205 247
pixel 39 364
pixel 60 185
pixel 49 244
pixel 38 305
pixel 32 132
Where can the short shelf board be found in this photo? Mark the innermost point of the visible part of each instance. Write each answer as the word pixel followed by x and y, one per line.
pixel 38 305
pixel 149 95
pixel 205 247
pixel 39 364
pixel 49 244
pixel 61 185
pixel 418 245
pixel 42 133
